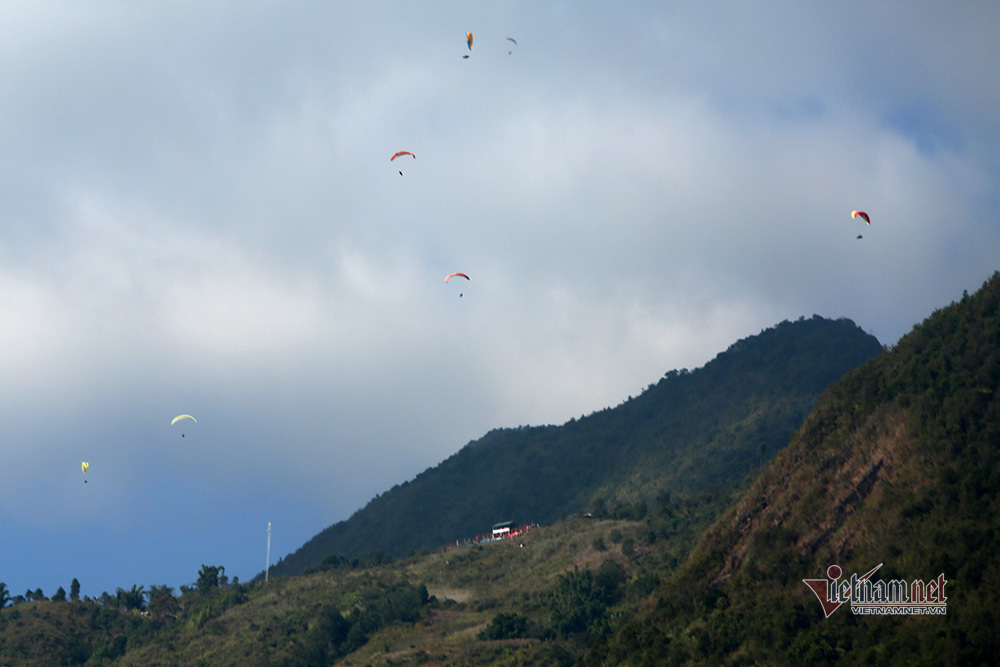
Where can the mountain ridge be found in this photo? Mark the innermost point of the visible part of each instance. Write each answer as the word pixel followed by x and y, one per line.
pixel 688 430
pixel 898 466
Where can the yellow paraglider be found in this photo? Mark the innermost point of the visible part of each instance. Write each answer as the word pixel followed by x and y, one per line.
pixel 182 418
pixel 83 466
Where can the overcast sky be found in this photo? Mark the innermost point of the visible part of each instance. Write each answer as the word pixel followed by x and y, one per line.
pixel 198 214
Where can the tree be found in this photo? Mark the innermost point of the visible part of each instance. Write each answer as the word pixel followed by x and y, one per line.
pixel 60 595
pixel 574 603
pixel 4 595
pixel 131 599
pixel 506 626
pixel 208 577
pixel 628 547
pixel 162 603
pixel 74 590
pixel 608 581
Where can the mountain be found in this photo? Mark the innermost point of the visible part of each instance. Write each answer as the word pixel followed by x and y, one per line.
pixel 898 466
pixel 895 472
pixel 691 430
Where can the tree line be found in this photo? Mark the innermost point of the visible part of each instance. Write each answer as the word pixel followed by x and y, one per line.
pixel 138 598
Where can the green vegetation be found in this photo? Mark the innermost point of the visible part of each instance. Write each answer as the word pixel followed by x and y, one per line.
pixel 514 599
pixel 689 431
pixel 898 464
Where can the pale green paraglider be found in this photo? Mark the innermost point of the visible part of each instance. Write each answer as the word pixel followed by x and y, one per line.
pixel 182 418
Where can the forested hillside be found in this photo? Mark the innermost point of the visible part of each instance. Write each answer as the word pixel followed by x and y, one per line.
pixel 899 464
pixel 689 430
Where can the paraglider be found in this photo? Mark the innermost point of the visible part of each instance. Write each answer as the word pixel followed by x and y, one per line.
pixel 514 41
pixel 83 466
pixel 862 215
pixel 457 273
pixel 397 154
pixel 182 418
pixel 468 39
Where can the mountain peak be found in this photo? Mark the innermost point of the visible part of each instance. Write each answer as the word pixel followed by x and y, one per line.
pixel 689 430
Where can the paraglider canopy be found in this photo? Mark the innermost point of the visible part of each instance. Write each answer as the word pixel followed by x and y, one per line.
pixel 468 39
pixel 83 466
pixel 513 41
pixel 862 215
pixel 459 274
pixel 182 418
pixel 397 154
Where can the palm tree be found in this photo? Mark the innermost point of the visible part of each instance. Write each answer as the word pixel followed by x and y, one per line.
pixel 131 599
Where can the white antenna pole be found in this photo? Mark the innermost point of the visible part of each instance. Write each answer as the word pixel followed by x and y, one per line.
pixel 267 565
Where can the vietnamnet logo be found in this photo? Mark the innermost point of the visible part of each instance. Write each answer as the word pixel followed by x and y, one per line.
pixel 876 597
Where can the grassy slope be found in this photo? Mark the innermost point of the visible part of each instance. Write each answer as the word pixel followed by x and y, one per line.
pixel 278 623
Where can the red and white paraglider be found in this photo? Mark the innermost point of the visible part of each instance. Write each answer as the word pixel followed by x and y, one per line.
pixel 457 274
pixel 864 216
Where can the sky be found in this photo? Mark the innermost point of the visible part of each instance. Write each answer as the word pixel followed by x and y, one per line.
pixel 198 214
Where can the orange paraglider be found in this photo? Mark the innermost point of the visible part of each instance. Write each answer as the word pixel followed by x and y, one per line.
pixel 398 153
